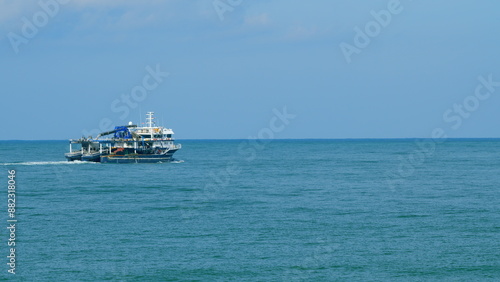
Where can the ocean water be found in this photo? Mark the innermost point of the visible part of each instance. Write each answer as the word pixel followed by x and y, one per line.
pixel 288 210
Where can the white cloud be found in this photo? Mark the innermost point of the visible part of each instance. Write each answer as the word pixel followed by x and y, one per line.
pixel 258 20
pixel 103 4
pixel 117 13
pixel 13 10
pixel 301 33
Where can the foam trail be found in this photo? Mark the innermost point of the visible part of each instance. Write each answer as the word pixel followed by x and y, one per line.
pixel 49 163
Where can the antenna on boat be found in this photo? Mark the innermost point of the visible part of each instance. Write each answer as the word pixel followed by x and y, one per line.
pixel 149 119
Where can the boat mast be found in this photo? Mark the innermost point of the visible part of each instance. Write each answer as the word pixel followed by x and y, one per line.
pixel 149 119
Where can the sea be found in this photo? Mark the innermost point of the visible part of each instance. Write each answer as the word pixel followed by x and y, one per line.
pixel 255 210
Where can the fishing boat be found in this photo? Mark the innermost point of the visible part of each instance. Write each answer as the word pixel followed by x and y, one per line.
pixel 127 144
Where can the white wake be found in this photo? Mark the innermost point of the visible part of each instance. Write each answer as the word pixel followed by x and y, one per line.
pixel 49 163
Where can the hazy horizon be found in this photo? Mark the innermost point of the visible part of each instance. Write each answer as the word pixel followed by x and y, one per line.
pixel 285 139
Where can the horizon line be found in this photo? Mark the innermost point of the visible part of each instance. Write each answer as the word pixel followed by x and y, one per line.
pixel 239 139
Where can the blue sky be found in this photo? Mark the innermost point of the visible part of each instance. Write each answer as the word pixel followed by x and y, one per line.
pixel 228 70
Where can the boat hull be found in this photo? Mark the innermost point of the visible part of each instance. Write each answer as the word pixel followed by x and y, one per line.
pixel 138 158
pixel 96 157
pixel 73 156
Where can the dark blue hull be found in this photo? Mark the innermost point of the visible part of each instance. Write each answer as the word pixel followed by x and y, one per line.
pixel 138 158
pixel 91 157
pixel 74 157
